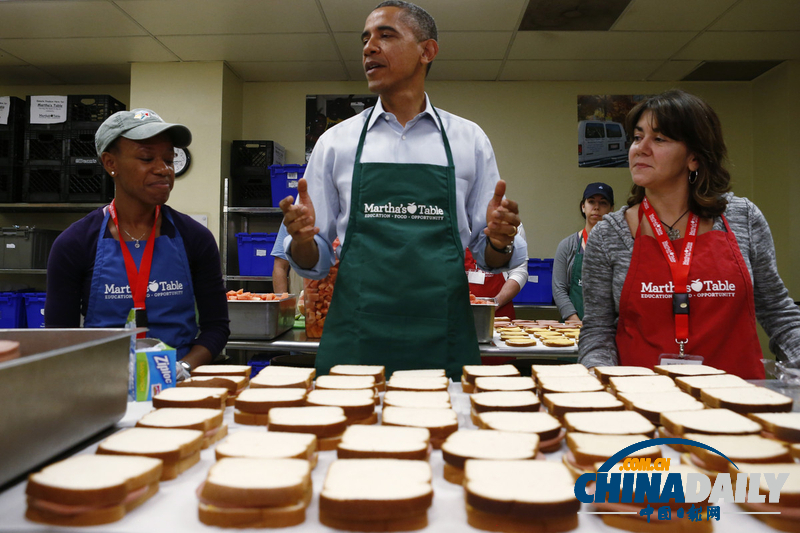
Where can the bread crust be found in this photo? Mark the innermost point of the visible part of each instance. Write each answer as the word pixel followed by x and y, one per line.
pixel 257 498
pixel 272 517
pixel 214 381
pixel 329 430
pixel 352 412
pixel 521 510
pixel 454 474
pixel 262 408
pixel 511 524
pixel 375 510
pixel 421 454
pixel 367 421
pixel 212 402
pixel 559 411
pixel 640 525
pixel 779 406
pixel 407 523
pixel 326 444
pixel 174 469
pixel 466 386
pixel 184 451
pixel 250 419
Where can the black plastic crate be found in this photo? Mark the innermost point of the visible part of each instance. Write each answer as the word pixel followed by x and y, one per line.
pixel 10 183
pixel 90 110
pixel 44 147
pixel 80 147
pixel 12 147
pixel 58 127
pixel 88 183
pixel 16 115
pixel 250 192
pixel 253 158
pixel 43 183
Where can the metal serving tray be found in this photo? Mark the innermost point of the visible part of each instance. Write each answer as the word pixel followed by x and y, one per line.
pixel 68 385
pixel 261 319
pixel 483 310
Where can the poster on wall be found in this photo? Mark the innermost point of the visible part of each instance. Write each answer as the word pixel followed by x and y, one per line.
pixel 602 139
pixel 324 111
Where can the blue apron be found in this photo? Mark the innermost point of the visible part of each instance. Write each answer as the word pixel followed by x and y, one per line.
pixel 170 294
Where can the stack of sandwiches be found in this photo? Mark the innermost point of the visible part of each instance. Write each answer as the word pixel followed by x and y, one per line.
pixel 385 442
pixel 327 423
pixel 439 422
pixel 519 401
pixel 234 384
pixel 345 383
pixel 284 376
pixel 490 445
pixel 358 404
pixel 191 397
pixel 376 371
pixel 471 372
pixel 269 445
pixel 560 403
pixel 178 449
pixel 543 425
pixel 209 421
pixel 253 405
pixel 609 423
pixel 781 426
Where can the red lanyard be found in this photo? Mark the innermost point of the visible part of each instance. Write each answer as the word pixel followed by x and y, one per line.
pixel 137 279
pixel 679 269
pixel 584 239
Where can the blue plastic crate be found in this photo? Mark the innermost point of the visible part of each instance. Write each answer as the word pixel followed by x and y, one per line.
pixel 34 309
pixel 12 310
pixel 539 288
pixel 254 253
pixel 283 181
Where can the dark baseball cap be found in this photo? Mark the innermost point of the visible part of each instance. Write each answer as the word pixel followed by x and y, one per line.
pixel 599 188
pixel 137 125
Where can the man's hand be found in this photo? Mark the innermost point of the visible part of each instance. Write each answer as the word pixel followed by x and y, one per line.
pixel 502 219
pixel 299 219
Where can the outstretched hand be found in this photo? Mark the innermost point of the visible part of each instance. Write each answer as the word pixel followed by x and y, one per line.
pixel 299 218
pixel 502 218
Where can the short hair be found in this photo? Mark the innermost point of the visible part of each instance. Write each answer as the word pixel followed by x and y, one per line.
pixel 687 118
pixel 420 21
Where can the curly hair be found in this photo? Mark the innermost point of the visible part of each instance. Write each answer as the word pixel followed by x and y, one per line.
pixel 689 119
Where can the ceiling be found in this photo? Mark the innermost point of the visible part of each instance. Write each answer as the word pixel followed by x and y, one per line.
pixel 45 42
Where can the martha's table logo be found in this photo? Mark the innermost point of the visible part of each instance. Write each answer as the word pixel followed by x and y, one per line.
pixel 155 288
pixel 410 210
pixel 608 486
pixel 697 288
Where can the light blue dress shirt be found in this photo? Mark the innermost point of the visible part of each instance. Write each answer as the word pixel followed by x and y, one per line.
pixel 278 249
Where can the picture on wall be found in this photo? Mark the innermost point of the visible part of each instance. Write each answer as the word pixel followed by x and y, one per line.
pixel 323 111
pixel 602 139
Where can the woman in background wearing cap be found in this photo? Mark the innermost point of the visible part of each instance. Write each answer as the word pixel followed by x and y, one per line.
pixel 139 252
pixel 598 200
pixel 683 271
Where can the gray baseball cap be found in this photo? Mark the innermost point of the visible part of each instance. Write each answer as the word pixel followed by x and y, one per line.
pixel 139 124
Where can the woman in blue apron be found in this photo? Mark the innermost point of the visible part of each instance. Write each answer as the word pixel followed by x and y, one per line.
pixel 142 254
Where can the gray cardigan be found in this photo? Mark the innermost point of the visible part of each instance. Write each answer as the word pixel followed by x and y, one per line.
pixel 562 274
pixel 608 257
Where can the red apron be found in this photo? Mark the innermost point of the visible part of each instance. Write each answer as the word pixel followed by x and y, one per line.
pixel 722 321
pixel 492 285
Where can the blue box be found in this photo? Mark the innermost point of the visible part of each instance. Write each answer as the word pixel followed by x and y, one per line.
pixel 283 181
pixel 12 310
pixel 539 288
pixel 34 309
pixel 254 253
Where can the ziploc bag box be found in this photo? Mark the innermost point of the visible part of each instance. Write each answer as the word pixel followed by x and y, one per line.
pixel 154 368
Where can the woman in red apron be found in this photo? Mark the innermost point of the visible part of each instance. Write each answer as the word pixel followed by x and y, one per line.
pixel 680 274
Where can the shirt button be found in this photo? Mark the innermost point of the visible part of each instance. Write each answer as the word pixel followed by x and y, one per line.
pixel 386 117
pixel 404 137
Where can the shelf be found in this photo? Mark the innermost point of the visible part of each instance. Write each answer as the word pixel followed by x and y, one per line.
pixel 49 208
pixel 248 278
pixel 254 210
pixel 23 271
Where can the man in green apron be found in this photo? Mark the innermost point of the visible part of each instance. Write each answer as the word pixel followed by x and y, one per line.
pixel 408 187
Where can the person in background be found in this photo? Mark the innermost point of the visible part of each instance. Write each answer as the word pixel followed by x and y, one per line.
pixel 138 252
pixel 406 187
pixel 685 268
pixel 598 200
pixel 280 270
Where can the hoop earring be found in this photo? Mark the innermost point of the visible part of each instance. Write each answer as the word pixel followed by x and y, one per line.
pixel 692 177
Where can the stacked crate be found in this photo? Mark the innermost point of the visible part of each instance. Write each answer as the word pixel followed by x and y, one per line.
pixel 250 175
pixel 12 141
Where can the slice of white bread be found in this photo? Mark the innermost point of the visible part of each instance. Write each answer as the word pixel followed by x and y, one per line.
pixel 268 445
pixel 205 397
pixel 324 422
pixel 178 448
pixel 747 400
pixel 560 403
pixel 744 448
pixel 420 373
pixel 783 426
pixel 376 495
pixel 694 385
pixel 417 383
pixel 209 421
pixel 512 383
pixel 587 383
pixel 283 376
pixel 424 399
pixel 575 369
pixel 607 372
pixel 87 490
pixel 523 401
pixel 708 421
pixel 222 370
pixel 234 384
pixel 675 371
pixel 609 423
pixel 509 496
pixel 547 427
pixel 253 405
pixel 376 371
pixel 440 422
pixel 358 404
pixel 585 449
pixel 244 492
pixel 652 405
pixel 470 372
pixel 492 445
pixel 384 442
pixel 641 384
pixel 345 382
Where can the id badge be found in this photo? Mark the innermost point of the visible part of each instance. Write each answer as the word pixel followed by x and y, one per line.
pixel 676 359
pixel 476 277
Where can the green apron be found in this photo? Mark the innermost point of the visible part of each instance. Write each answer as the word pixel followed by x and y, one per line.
pixel 575 282
pixel 401 297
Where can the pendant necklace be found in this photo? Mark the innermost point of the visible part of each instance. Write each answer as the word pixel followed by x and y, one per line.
pixel 136 241
pixel 672 232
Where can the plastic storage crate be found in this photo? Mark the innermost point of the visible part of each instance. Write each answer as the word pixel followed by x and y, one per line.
pixel 34 309
pixel 12 310
pixel 254 253
pixel 253 158
pixel 10 183
pixel 250 191
pixel 44 147
pixel 16 114
pixel 43 183
pixel 283 181
pixel 12 134
pixel 90 110
pixel 539 288
pixel 79 147
pixel 88 183
pixel 25 246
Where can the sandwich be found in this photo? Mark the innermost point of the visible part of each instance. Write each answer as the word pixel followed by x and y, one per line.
pixel 376 371
pixel 609 423
pixel 205 397
pixel 358 404
pixel 491 445
pixel 708 422
pixel 430 400
pixel 520 401
pixel 346 383
pixel 781 426
pixel 421 373
pixel 253 405
pixel 284 376
pixel 652 405
pixel 209 421
pixel 179 449
pixel 747 400
pixel 269 445
pixel 416 383
pixel 223 370
pixel 384 442
pixel 738 448
pixel 519 383
pixel 327 423
pixel 515 496
pixel 560 403
pixel 676 371
pixel 607 372
pixel 234 384
pixel 89 490
pixel 586 449
pixel 559 370
pixel 9 350
pixel 695 385
pixel 242 493
pixel 376 495
pixel 471 372
pixel 545 426
pixel 641 384
pixel 439 422
pixel 788 518
pixel 587 383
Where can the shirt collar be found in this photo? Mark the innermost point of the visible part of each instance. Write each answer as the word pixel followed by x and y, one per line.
pixel 380 111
